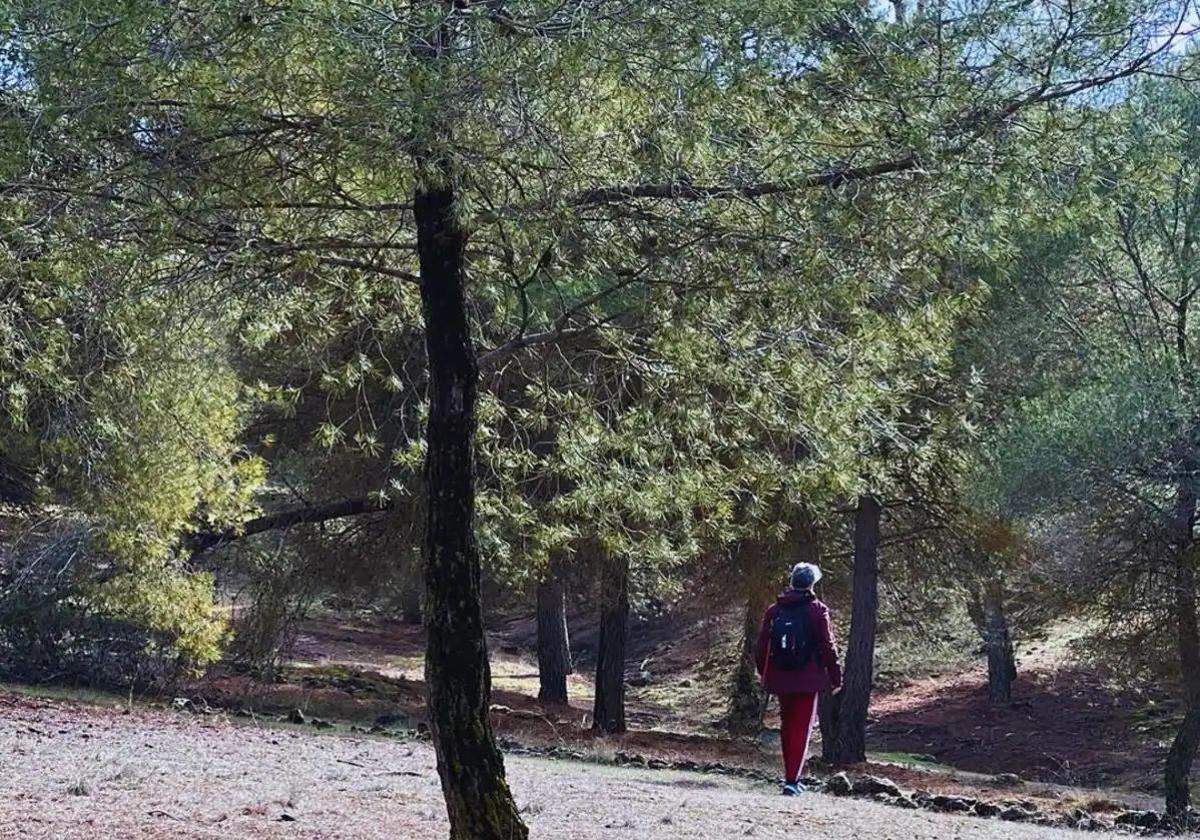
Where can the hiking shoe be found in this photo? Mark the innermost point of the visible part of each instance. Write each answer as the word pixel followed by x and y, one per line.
pixel 792 789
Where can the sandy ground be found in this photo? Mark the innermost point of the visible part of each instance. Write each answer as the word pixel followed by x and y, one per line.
pixel 80 771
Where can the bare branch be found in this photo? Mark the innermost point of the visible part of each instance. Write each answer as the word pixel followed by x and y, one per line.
pixel 308 514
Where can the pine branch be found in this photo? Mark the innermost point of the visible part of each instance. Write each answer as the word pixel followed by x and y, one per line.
pixel 307 514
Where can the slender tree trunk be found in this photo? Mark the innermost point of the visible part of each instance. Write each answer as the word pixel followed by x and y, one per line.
pixel 410 602
pixel 986 608
pixel 849 744
pixel 828 706
pixel 478 801
pixel 553 646
pixel 997 641
pixel 765 571
pixel 1187 740
pixel 609 710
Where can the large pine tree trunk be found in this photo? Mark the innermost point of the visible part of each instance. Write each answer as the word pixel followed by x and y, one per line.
pixel 997 641
pixel 478 801
pixel 746 700
pixel 1179 766
pixel 849 742
pixel 553 645
pixel 609 709
pixel 1187 739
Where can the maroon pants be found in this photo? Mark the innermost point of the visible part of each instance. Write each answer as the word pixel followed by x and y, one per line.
pixel 797 713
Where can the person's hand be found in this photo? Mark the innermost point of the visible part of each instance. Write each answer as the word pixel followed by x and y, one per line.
pixel 836 691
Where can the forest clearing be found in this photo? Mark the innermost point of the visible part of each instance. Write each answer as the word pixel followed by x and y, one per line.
pixel 160 775
pixel 488 419
pixel 308 756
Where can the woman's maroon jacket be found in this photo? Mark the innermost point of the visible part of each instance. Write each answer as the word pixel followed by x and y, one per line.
pixel 821 672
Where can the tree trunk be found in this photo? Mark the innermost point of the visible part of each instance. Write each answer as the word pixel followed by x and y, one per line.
pixel 553 647
pixel 410 603
pixel 609 710
pixel 997 641
pixel 746 700
pixel 1183 749
pixel 478 801
pixel 827 719
pixel 1179 766
pixel 849 744
pixel 765 572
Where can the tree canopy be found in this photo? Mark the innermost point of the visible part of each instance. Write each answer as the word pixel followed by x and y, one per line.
pixel 504 282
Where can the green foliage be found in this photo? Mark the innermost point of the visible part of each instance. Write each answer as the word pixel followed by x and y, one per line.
pixel 1118 428
pixel 126 407
pixel 53 629
pixel 719 259
pixel 1097 445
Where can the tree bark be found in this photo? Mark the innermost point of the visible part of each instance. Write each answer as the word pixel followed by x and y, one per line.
pixel 1187 739
pixel 308 514
pixel 1179 766
pixel 765 572
pixel 478 801
pixel 997 641
pixel 553 645
pixel 827 720
pixel 410 603
pixel 746 700
pixel 849 742
pixel 609 709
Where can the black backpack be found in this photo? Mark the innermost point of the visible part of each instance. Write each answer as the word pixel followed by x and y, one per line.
pixel 792 643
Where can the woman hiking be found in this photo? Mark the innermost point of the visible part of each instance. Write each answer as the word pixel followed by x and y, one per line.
pixel 797 659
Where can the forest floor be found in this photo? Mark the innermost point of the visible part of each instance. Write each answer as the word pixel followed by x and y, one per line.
pixel 79 770
pixel 1071 738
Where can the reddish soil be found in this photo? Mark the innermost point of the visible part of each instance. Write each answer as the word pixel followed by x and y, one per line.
pixel 1068 726
pixel 328 640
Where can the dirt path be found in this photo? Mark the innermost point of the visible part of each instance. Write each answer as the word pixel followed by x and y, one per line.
pixel 78 771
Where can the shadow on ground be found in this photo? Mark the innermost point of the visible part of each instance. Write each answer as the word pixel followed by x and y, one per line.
pixel 1069 726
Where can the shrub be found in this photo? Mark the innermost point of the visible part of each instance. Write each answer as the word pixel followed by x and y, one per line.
pixel 57 622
